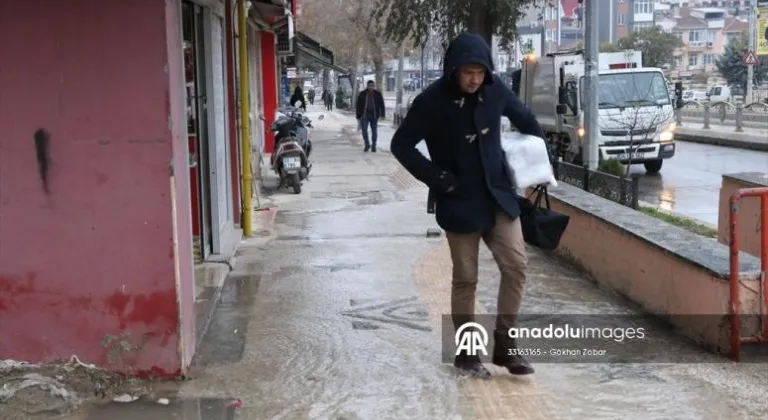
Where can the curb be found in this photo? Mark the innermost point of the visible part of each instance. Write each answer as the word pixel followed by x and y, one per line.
pixel 724 142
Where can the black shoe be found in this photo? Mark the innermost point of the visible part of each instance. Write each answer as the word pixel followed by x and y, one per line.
pixel 515 364
pixel 472 366
pixel 367 148
pixel 373 149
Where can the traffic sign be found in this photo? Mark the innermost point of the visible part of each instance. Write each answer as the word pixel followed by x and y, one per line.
pixel 750 59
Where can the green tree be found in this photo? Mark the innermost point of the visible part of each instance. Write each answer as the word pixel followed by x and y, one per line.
pixel 609 47
pixel 732 68
pixel 658 47
pixel 415 19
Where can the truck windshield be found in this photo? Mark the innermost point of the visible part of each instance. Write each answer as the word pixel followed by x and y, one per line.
pixel 623 90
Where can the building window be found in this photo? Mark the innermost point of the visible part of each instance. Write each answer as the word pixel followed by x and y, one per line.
pixel 620 19
pixel 708 59
pixel 641 25
pixel 643 7
pixel 693 60
pixel 700 37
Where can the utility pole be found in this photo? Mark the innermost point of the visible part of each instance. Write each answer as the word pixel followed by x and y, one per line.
pixel 559 19
pixel 591 72
pixel 752 33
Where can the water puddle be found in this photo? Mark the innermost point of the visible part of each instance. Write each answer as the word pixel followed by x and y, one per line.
pixel 192 409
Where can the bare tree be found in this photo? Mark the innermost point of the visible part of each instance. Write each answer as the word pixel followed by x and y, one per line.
pixel 348 28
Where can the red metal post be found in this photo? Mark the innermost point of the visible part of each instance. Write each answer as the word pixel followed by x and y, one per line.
pixel 764 258
pixel 735 299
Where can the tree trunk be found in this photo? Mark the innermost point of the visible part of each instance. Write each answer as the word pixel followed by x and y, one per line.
pixel 399 80
pixel 355 82
pixel 480 20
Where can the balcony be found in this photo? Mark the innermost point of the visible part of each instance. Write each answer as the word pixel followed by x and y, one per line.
pixel 701 47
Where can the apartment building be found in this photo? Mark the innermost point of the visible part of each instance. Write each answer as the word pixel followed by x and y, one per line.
pixel 704 32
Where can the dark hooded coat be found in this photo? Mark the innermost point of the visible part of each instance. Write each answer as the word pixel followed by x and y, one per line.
pixel 463 136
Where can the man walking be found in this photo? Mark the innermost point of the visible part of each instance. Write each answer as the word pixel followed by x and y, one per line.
pixel 298 96
pixel 370 107
pixel 459 116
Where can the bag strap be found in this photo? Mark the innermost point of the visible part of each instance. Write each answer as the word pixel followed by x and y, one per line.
pixel 541 194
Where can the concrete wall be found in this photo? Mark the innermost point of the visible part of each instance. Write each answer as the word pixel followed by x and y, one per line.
pixel 668 271
pixel 750 230
pixel 101 265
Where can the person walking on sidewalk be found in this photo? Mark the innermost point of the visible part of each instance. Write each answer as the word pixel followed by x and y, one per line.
pixel 459 117
pixel 298 96
pixel 370 107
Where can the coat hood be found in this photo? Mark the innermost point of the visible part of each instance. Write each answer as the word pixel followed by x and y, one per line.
pixel 468 49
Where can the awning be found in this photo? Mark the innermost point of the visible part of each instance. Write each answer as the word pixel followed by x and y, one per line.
pixel 308 49
pixel 271 15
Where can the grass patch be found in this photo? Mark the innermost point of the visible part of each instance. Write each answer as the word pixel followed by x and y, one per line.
pixel 683 222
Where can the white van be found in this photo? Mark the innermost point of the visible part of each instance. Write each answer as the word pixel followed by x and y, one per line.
pixel 719 93
pixel 694 95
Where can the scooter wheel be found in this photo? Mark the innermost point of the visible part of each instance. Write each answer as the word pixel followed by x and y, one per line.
pixel 296 181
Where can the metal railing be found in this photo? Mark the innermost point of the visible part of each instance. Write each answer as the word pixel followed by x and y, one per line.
pixel 621 190
pixel 754 115
pixel 735 293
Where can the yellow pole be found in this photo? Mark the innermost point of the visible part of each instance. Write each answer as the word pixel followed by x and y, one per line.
pixel 245 136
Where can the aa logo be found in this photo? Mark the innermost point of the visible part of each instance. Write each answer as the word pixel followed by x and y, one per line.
pixel 471 341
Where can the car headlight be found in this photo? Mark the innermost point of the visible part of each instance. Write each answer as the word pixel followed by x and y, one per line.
pixel 666 136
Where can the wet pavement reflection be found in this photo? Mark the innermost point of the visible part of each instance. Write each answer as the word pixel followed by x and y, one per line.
pixel 338 316
pixel 191 409
pixel 689 183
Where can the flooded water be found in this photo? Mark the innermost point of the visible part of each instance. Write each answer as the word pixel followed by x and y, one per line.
pixel 339 317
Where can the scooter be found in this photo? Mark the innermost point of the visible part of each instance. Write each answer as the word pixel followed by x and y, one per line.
pixel 294 124
pixel 291 158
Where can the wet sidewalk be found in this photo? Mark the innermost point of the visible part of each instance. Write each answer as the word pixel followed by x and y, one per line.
pixel 334 312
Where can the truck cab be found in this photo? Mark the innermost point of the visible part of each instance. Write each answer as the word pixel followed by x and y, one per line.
pixel 635 110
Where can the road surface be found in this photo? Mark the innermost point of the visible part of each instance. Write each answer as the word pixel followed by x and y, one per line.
pixel 689 183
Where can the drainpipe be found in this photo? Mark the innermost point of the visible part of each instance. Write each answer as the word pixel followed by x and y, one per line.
pixel 245 136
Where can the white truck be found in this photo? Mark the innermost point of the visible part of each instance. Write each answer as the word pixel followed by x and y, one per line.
pixel 635 116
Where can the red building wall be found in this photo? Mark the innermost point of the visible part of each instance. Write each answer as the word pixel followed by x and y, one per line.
pixel 91 268
pixel 269 73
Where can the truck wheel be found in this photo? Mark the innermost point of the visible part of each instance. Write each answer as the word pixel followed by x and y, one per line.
pixel 653 166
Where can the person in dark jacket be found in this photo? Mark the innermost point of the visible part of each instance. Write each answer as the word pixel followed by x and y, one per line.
pixel 459 117
pixel 370 107
pixel 327 99
pixel 298 96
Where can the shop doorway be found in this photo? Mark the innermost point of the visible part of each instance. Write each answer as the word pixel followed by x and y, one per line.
pixel 197 127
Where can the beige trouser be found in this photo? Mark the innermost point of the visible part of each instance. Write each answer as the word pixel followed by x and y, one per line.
pixel 505 240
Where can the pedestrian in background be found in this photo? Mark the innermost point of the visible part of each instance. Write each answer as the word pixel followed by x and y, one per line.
pixel 459 116
pixel 298 96
pixel 370 108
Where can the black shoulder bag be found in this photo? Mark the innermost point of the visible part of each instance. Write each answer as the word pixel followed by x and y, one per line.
pixel 542 226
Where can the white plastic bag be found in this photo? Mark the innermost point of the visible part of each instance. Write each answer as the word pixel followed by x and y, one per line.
pixel 527 160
